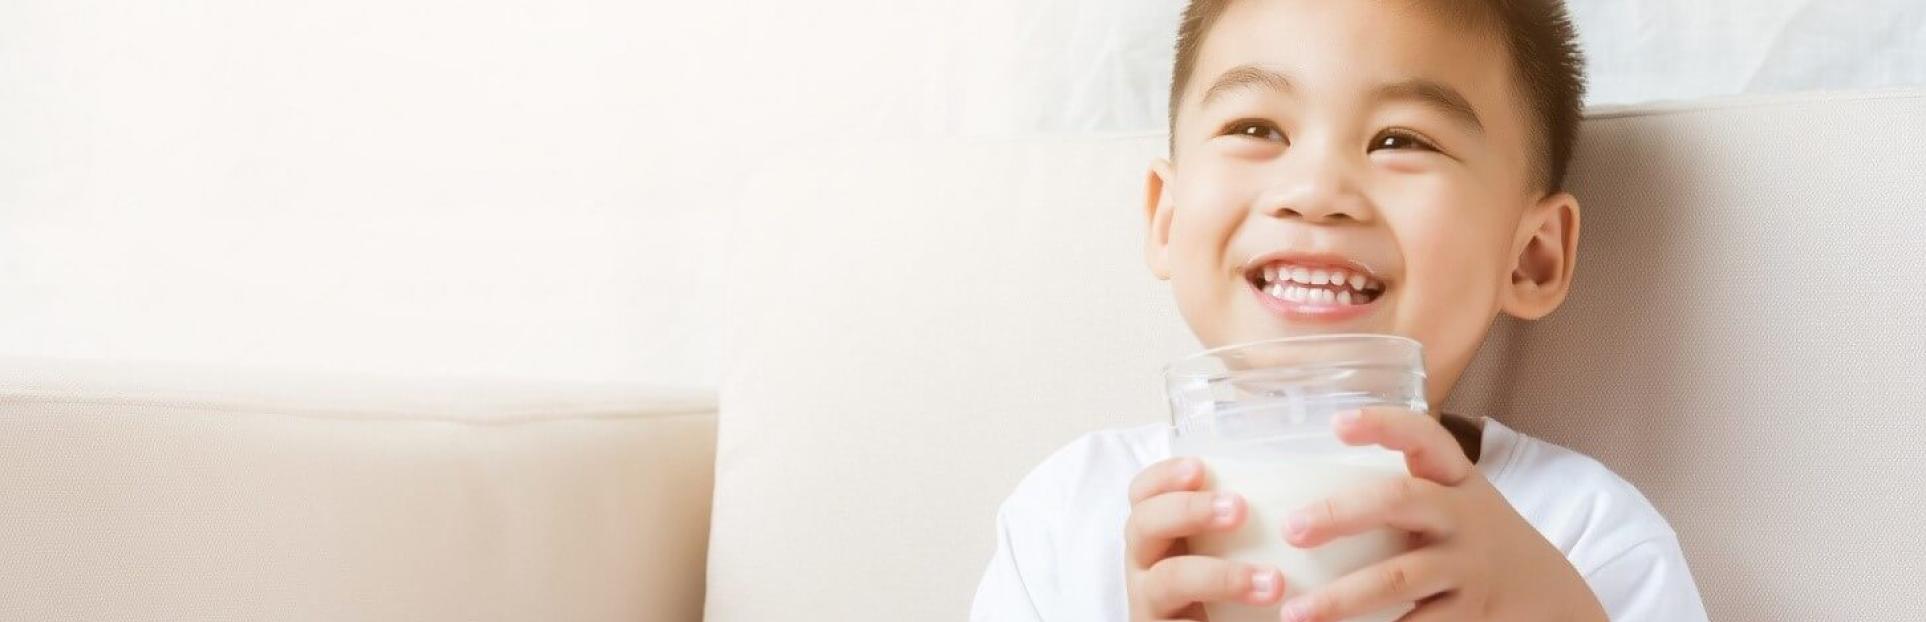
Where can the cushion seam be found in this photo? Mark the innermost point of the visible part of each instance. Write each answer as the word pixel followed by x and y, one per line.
pixel 507 418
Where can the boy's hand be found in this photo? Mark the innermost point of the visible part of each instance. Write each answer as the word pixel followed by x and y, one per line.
pixel 1475 559
pixel 1165 582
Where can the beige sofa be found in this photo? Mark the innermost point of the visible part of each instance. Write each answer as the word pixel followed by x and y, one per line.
pixel 914 324
pixel 157 492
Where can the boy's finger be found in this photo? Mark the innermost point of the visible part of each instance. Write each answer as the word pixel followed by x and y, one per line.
pixel 1179 582
pixel 1167 476
pixel 1403 503
pixel 1407 578
pixel 1429 450
pixel 1438 608
pixel 1159 521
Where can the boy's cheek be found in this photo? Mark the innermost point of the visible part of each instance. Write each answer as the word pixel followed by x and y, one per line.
pixel 1210 314
pixel 1446 301
pixel 1212 302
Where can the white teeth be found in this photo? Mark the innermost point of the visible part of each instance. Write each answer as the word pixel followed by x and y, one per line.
pixel 1288 276
pixel 1344 297
pixel 1276 290
pixel 1325 296
pixel 1296 294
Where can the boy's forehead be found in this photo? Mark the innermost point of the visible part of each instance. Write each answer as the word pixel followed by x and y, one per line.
pixel 1357 46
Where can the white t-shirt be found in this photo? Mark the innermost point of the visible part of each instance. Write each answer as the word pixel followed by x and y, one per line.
pixel 1059 554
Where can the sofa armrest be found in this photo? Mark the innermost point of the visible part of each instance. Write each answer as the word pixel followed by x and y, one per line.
pixel 141 492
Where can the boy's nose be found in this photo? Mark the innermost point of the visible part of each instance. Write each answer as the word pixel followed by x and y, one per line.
pixel 1326 197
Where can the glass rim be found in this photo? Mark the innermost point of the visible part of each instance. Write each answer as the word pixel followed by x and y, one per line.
pixel 1170 369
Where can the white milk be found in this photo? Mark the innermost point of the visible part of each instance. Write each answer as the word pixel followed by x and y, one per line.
pixel 1275 486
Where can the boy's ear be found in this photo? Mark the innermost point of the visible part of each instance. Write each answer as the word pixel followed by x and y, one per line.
pixel 1544 258
pixel 1157 210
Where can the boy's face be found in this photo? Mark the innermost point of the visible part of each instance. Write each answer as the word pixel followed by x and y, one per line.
pixel 1356 166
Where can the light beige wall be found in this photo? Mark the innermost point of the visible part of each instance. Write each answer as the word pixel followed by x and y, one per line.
pixel 541 188
pixel 490 187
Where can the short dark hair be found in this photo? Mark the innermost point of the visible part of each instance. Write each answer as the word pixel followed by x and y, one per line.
pixel 1545 56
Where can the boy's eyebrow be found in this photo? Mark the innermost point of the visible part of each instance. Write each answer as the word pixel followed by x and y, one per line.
pixel 1435 94
pixel 1430 92
pixel 1244 77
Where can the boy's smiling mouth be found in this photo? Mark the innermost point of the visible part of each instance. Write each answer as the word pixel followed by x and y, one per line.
pixel 1319 288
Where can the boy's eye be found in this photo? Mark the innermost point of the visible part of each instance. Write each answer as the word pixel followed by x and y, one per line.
pixel 1400 140
pixel 1252 128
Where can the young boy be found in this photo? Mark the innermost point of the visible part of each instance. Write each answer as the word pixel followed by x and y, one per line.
pixel 1385 166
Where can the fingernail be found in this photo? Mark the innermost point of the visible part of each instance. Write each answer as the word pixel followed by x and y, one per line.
pixel 1187 469
pixel 1296 525
pixel 1297 611
pixel 1263 583
pixel 1224 506
pixel 1348 417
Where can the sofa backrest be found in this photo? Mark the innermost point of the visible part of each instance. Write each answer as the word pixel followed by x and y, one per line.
pixel 1745 343
pixel 913 325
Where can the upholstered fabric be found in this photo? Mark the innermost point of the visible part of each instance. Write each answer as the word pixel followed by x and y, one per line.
pixel 1746 341
pixel 915 324
pixel 151 492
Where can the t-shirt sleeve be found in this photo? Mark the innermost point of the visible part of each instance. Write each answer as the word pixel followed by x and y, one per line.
pixel 1648 581
pixel 1059 535
pixel 1002 593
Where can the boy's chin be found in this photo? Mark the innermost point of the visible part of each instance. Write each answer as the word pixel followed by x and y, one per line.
pixel 1310 331
pixel 1267 325
pixel 1280 330
pixel 1267 320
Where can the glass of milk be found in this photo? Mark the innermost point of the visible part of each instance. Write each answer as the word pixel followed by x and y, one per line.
pixel 1259 416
